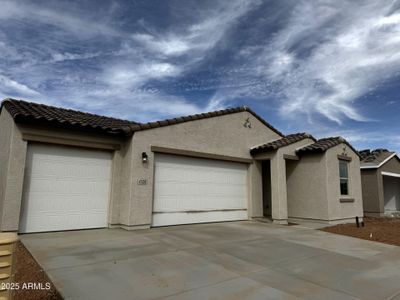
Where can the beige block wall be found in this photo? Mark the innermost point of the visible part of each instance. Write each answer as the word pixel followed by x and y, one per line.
pixel 306 184
pixel 343 210
pixel 223 135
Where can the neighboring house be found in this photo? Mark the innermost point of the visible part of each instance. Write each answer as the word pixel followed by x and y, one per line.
pixel 62 169
pixel 380 174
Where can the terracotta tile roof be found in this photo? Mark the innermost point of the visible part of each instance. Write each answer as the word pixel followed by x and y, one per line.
pixel 282 142
pixel 173 121
pixel 375 158
pixel 324 144
pixel 28 112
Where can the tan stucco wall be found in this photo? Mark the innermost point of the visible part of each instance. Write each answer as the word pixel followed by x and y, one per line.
pixel 307 193
pixel 6 128
pixel 308 188
pixel 223 135
pixel 343 210
pixel 279 196
pixel 12 164
pixel 14 139
pixel 373 188
pixel 393 166
pixel 370 191
pixel 314 190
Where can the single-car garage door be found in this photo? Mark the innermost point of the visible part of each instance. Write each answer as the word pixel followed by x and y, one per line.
pixel 65 188
pixel 195 190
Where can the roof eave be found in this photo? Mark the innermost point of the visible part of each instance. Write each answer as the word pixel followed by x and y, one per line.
pixel 382 163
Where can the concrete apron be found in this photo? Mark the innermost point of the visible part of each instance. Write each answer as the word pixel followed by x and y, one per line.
pixel 234 260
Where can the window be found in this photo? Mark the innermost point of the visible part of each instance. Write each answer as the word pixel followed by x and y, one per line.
pixel 344 177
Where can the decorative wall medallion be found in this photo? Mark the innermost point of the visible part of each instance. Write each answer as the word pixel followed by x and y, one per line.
pixel 344 153
pixel 247 123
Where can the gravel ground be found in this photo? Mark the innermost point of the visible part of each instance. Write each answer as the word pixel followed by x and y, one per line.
pixel 384 230
pixel 28 271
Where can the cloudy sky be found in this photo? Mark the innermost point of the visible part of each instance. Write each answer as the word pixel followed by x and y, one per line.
pixel 324 67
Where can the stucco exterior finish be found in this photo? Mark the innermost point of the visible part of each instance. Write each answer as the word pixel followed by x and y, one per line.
pixel 217 137
pixel 370 191
pixel 307 194
pixel 15 139
pixel 337 209
pixel 306 187
pixel 12 164
pixel 313 187
pixel 279 188
pixel 373 186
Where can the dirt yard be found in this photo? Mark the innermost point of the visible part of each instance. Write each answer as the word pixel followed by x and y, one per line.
pixel 28 271
pixel 384 230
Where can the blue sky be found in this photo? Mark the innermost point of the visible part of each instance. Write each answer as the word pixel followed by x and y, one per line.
pixel 324 67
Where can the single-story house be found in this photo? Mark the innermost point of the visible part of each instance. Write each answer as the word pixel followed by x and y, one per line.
pixel 380 176
pixel 62 169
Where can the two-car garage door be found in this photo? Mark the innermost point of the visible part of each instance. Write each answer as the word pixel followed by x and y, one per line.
pixel 65 188
pixel 196 190
pixel 68 188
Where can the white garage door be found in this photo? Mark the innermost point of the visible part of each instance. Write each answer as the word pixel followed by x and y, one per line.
pixel 65 188
pixel 194 190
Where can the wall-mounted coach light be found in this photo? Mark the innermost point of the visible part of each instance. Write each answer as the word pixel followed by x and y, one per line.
pixel 145 158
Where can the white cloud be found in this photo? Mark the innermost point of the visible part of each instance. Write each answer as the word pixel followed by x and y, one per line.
pixel 326 56
pixel 59 57
pixel 169 46
pixel 132 75
pixel 80 26
pixel 352 49
pixel 8 85
pixel 199 37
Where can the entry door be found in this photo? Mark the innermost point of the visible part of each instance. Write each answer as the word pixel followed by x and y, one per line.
pixel 65 188
pixel 196 190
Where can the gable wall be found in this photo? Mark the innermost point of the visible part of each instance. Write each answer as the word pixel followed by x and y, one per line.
pixel 393 166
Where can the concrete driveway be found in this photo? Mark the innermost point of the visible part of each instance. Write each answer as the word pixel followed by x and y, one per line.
pixel 238 260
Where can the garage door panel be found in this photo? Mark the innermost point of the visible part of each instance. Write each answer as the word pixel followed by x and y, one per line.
pixel 205 175
pixel 191 190
pixel 163 219
pixel 200 202
pixel 76 220
pixel 50 203
pixel 65 188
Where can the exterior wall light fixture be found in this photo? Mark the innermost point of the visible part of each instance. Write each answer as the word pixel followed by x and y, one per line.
pixel 145 158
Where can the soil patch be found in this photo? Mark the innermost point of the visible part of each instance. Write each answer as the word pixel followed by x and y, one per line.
pixel 28 271
pixel 384 230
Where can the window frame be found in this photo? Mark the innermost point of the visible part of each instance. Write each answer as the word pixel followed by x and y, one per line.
pixel 346 163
